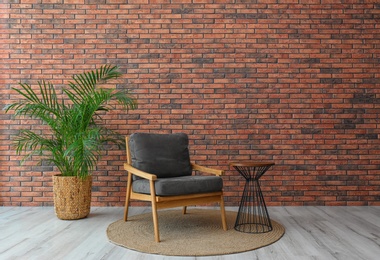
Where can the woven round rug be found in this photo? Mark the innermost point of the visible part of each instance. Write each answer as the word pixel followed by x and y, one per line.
pixel 197 233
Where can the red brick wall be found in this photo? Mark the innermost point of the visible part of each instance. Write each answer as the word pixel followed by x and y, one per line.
pixel 296 83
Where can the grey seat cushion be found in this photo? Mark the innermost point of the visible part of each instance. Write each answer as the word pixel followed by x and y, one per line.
pixel 165 155
pixel 180 185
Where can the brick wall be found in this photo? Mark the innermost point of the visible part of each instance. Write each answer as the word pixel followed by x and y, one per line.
pixel 291 81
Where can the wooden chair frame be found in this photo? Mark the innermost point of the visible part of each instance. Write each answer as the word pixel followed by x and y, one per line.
pixel 161 202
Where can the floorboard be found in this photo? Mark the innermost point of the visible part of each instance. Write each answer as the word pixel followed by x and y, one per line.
pixel 311 233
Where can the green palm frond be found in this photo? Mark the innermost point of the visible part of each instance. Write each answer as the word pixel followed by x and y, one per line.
pixel 74 140
pixel 86 150
pixel 83 85
pixel 44 107
pixel 35 143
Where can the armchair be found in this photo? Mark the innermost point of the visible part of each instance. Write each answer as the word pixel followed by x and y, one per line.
pixel 160 171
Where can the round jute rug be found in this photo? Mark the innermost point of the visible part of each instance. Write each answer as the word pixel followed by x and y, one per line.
pixel 197 233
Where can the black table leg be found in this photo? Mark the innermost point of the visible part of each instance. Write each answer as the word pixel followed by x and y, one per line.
pixel 253 215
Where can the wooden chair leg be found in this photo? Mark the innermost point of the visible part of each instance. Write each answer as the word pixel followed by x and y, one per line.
pixel 126 210
pixel 127 197
pixel 154 212
pixel 155 222
pixel 184 210
pixel 223 213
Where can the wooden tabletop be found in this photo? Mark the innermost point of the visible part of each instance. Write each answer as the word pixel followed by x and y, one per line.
pixel 251 164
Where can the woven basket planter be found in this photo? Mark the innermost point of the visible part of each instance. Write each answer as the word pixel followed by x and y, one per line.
pixel 72 196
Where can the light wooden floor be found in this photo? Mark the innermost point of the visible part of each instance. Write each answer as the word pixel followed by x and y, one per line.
pixel 311 233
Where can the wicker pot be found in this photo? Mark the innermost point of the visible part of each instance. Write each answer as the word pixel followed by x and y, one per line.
pixel 72 196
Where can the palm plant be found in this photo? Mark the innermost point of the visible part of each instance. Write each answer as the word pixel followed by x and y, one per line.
pixel 74 140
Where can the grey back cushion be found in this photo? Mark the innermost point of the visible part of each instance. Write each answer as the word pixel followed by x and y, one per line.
pixel 165 155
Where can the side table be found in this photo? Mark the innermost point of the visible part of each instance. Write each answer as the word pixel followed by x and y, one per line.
pixel 253 215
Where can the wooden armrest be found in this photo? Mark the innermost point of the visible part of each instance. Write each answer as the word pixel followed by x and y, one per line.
pixel 197 167
pixel 139 173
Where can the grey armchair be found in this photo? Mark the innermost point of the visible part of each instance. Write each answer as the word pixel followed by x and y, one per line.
pixel 160 171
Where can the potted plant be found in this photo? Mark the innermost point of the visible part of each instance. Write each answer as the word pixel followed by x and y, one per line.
pixel 74 138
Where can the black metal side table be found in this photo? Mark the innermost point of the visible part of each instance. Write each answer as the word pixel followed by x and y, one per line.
pixel 253 215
